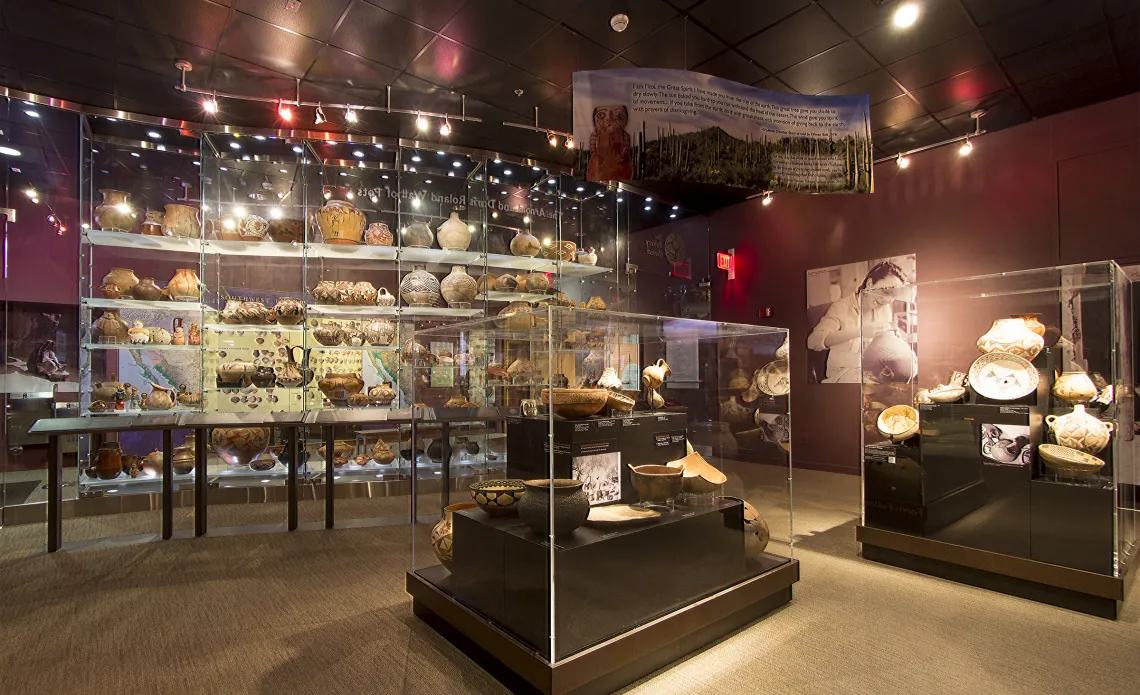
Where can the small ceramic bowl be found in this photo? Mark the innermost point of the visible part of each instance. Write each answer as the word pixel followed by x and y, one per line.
pixel 657 484
pixel 498 497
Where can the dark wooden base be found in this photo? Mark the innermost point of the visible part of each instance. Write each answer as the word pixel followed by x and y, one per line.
pixel 608 666
pixel 1087 592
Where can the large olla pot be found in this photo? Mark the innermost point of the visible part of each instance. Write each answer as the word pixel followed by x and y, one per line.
pixel 122 278
pixel 114 214
pixel 1079 430
pixel 571 505
pixel 418 235
pixel 239 445
pixel 441 534
pixel 340 222
pixel 458 288
pixel 1012 336
pixel 184 286
pixel 338 387
pixel 181 221
pixel 454 234
pixel 420 288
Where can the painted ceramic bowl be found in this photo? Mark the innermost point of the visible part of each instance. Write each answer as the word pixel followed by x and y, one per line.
pixel 498 497
pixel 898 423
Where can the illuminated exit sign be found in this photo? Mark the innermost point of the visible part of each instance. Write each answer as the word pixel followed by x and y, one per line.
pixel 727 261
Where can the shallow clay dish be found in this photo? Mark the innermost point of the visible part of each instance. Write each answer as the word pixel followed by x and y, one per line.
pixel 1065 461
pixel 621 515
pixel 898 423
pixel 576 403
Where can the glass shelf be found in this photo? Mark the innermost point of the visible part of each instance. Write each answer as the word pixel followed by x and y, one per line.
pixel 350 311
pixel 495 296
pixel 354 252
pixel 254 327
pixel 180 307
pixel 357 348
pixel 98 237
pixel 273 249
pixel 143 347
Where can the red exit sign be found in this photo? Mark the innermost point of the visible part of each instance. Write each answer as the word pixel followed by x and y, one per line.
pixel 727 261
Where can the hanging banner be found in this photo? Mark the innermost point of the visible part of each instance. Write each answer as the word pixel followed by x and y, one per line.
pixel 673 125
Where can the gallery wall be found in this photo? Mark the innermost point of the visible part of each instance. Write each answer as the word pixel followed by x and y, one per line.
pixel 1064 189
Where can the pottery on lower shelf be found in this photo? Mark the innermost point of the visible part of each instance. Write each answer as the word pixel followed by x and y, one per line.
pixel 147 291
pixel 454 234
pixel 110 328
pixel 657 485
pixel 238 446
pixel 160 398
pixel 287 230
pixel 441 534
pixel 182 458
pixel 382 453
pixel 329 334
pixel 122 278
pixel 1074 387
pixel 363 294
pixel 152 223
pixel 898 423
pixel 588 257
pixel 420 288
pixel 525 244
pixel 114 214
pixel 342 451
pixel 263 376
pixel 326 292
pixel 571 505
pixel 253 228
pixel 337 387
pixel 574 404
pixel 108 461
pixel 382 394
pixel 1079 430
pixel 1012 336
pixel 289 311
pixel 536 282
pixel 158 335
pixel 498 497
pixel 561 251
pixel 385 298
pixel 379 332
pixel 234 373
pixel 458 288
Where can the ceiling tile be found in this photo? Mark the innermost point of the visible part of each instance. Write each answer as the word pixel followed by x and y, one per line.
pixel 678 45
pixel 61 63
pixel 894 111
pixel 908 134
pixel 1082 47
pixel 890 44
pixel 236 76
pixel 1119 8
pixel 264 44
pixel 618 63
pixel 500 28
pixel 194 21
pixel 731 66
pixel 559 54
pixel 432 14
pixel 1041 24
pixel 410 92
pixel 828 69
pixel 774 84
pixel 592 20
pixel 734 21
pixel 336 67
pixel 557 111
pixel 499 90
pixel 990 11
pixel 453 65
pixel 61 25
pixel 987 102
pixel 157 90
pixel 944 60
pixel 1001 110
pixel 555 9
pixel 796 38
pixel 313 19
pixel 80 94
pixel 1073 88
pixel 972 84
pixel 157 53
pixel 859 16
pixel 879 85
pixel 359 31
pixel 107 8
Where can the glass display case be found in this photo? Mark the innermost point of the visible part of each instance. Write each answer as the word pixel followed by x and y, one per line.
pixel 998 417
pixel 618 473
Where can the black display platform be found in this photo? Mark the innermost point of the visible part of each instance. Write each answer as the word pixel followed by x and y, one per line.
pixel 501 569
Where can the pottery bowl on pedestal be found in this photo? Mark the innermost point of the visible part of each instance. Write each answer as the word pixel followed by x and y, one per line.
pixel 657 484
pixel 498 497
pixel 576 403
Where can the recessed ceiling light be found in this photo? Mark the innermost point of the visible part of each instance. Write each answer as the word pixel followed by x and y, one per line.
pixel 536 168
pixel 379 146
pixel 154 135
pixel 440 152
pixel 451 174
pixel 32 113
pixel 283 171
pixel 197 164
pixel 297 149
pixel 648 208
pixel 506 172
pixel 416 158
pixel 427 180
pixel 649 200
pixel 906 15
pixel 9 151
pixel 671 215
pixel 235 146
pixel 457 163
pixel 344 173
pixel 498 161
pixel 258 137
pixel 135 154
pixel 580 188
pixel 384 176
pixel 113 120
pixel 223 168
pixel 357 153
pixel 676 207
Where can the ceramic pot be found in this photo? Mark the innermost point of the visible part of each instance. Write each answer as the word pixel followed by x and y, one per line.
pixel 253 313
pixel 181 221
pixel 1079 430
pixel 588 257
pixel 1012 336
pixel 294 374
pixel 340 222
pixel 344 292
pixel 290 231
pixel 890 359
pixel 498 497
pixel 263 377
pixel 1032 322
pixel 458 288
pixel 756 533
pixel 182 458
pixel 326 292
pixel 1074 387
pixel 385 298
pixel 109 461
pixel 657 484
pixel 571 505
pixel 378 234
pixel 158 335
pixel 453 234
pixel 441 535
pixel 596 304
pixel 342 451
pixel 516 317
pixel 223 230
pixel 525 244
pixel 338 387
pixel 353 336
pixel 184 286
pixel 138 334
pixel 506 283
pixel 738 380
pixel 109 290
pixel 363 294
pixel 537 282
pixel 420 288
pixel 898 423
pixel 417 235
pixel 238 446
pixel 497 244
pixel 110 328
pixel 152 225
pixel 379 332
pixel 575 403
pixel 147 291
pixel 160 398
pixel 253 228
pixel 560 251
pixel 229 313
pixel 234 373
pixel 152 463
pixel 329 334
pixel 382 394
pixel 1069 463
pixel 609 380
pixel 289 311
pixel 653 375
pixel 382 453
pixel 114 214
pixel 123 278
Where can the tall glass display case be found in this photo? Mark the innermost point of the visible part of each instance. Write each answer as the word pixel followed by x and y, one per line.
pixel 998 429
pixel 622 509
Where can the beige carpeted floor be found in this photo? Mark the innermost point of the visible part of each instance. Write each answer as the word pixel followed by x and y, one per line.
pixel 325 612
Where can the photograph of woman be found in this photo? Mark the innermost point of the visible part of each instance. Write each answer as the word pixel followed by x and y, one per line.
pixel 839 317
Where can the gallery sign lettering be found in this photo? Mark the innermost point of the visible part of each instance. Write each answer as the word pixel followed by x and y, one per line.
pixel 673 125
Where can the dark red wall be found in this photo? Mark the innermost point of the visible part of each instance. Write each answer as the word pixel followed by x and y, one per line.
pixel 1064 189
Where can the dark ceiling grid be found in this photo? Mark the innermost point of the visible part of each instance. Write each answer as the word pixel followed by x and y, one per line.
pixel 993 55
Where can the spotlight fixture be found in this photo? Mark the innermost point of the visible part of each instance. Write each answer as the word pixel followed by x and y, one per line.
pixel 444 128
pixel 210 105
pixel 457 163
pixel 285 112
pixel 553 140
pixel 902 161
pixel 966 148
pixel 350 115
pixel 570 143
pixel 767 198
pixel 349 195
pixel 906 15
pixel 319 118
pixel 494 215
pixel 421 124
pixel 31 193
pixel 580 188
pixel 526 219
pixel 416 158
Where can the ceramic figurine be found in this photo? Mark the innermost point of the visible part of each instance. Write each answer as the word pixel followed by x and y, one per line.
pixel 588 257
pixel 458 288
pixel 454 234
pixel 152 224
pixel 114 214
pixel 195 335
pixel 378 234
pixel 418 235
pixel 420 288
pixel 525 244
pixel 1012 336
pixel 181 221
pixel 137 334
pixel 340 222
pixel 122 278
